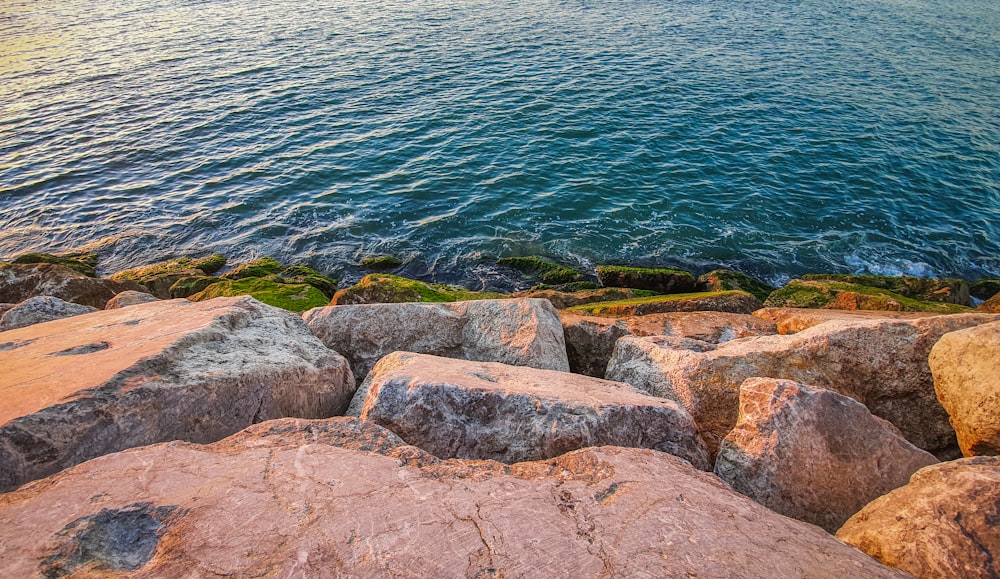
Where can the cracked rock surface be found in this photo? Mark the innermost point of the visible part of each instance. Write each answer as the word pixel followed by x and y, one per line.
pixel 96 383
pixel 343 497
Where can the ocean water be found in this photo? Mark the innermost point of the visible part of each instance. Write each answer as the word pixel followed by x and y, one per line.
pixel 776 137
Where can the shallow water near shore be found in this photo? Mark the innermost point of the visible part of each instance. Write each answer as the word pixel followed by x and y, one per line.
pixel 773 137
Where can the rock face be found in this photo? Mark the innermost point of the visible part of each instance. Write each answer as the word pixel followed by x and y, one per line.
pixel 337 498
pixel 19 282
pixel 88 385
pixel 736 302
pixel 822 292
pixel 590 339
pixel 794 320
pixel 966 369
pixel 945 523
pixel 880 363
pixel 991 305
pixel 461 409
pixel 129 298
pixel 813 454
pixel 40 309
pixel 520 332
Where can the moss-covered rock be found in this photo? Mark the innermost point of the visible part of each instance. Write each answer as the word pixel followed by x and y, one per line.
pixel 562 300
pixel 306 274
pixel 737 302
pixel 545 271
pixel 85 263
pixel 944 290
pixel 261 267
pixel 985 289
pixel 159 277
pixel 380 288
pixel 188 286
pixel 210 265
pixel 829 294
pixel 381 262
pixel 661 280
pixel 292 297
pixel 726 279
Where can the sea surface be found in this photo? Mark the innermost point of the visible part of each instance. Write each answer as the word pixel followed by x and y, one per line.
pixel 776 137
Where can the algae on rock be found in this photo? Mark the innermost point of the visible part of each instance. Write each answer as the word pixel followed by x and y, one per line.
pixel 944 290
pixel 662 280
pixel 726 279
pixel 546 271
pixel 382 288
pixel 381 262
pixel 85 263
pixel 291 297
pixel 831 294
pixel 735 301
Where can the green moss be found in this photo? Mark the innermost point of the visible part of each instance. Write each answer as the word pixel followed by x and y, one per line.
pixel 262 267
pixel 544 270
pixel 603 307
pixel 85 263
pixel 984 289
pixel 821 293
pixel 305 274
pixel 386 288
pixel 210 264
pixel 662 280
pixel 170 267
pixel 380 262
pixel 291 297
pixel 188 286
pixel 945 290
pixel 727 279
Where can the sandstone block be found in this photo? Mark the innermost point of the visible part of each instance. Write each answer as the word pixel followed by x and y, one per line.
pixel 944 523
pixel 84 386
pixel 812 454
pixel 462 409
pixel 129 298
pixel 337 498
pixel 40 309
pixel 966 369
pixel 521 332
pixel 19 282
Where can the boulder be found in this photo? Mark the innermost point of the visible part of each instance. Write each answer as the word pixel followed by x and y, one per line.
pixel 590 339
pixel 542 269
pixel 384 288
pixel 338 498
pixel 19 282
pixel 880 363
pixel 928 289
pixel 520 332
pixel 84 386
pixel 40 309
pixel 381 262
pixel 129 298
pixel 812 454
pixel 462 409
pixel 944 523
pixel 720 280
pixel 294 297
pixel 793 320
pixel 562 300
pixel 188 286
pixel 159 277
pixel 85 263
pixel 736 302
pixel 966 369
pixel 660 280
pixel 841 295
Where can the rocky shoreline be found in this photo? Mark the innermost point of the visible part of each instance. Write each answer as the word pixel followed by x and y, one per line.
pixel 183 418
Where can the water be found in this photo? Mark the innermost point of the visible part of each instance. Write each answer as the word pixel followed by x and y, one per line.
pixel 776 137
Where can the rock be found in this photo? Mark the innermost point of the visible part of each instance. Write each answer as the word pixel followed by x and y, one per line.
pixel 336 498
pixel 381 262
pixel 40 309
pixel 837 295
pixel 541 269
pixel 721 280
pixel 984 289
pixel 562 300
pixel 4 306
pixel 966 369
pixel 812 454
pixel 261 267
pixel 520 332
pixel 19 282
pixel 991 305
pixel 129 298
pixel 794 320
pixel 305 274
pixel 159 277
pixel 945 523
pixel 88 385
pixel 880 363
pixel 484 410
pixel 85 263
pixel 186 287
pixel 292 297
pixel 590 340
pixel 383 288
pixel 944 290
pixel 736 302
pixel 664 281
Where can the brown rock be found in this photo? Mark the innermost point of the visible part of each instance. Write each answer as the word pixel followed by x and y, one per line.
pixel 461 409
pixel 40 309
pixel 793 320
pixel 991 305
pixel 521 332
pixel 562 300
pixel 945 523
pixel 88 385
pixel 880 363
pixel 813 454
pixel 19 282
pixel 966 369
pixel 590 339
pixel 129 298
pixel 298 498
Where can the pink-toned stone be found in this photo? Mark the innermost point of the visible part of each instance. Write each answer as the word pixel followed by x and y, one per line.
pixel 590 340
pixel 19 282
pixel 129 298
pixel 306 499
pixel 80 387
pixel 793 320
pixel 40 309
pixel 812 454
pixel 484 410
pixel 944 523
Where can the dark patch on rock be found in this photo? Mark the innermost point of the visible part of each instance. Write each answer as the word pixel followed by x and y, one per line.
pixel 84 349
pixel 15 344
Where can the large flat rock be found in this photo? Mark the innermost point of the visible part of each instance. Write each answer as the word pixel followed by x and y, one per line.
pixel 880 363
pixel 484 410
pixel 88 385
pixel 522 332
pixel 337 498
pixel 19 282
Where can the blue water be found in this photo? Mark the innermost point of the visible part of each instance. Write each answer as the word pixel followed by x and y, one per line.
pixel 772 136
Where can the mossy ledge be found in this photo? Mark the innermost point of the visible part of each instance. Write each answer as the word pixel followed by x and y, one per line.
pixel 661 280
pixel 387 288
pixel 734 301
pixel 928 289
pixel 292 297
pixel 828 294
pixel 544 270
pixel 85 263
pixel 381 262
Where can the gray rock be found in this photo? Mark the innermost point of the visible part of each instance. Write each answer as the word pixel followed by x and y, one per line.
pixel 812 454
pixel 40 309
pixel 462 409
pixel 129 298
